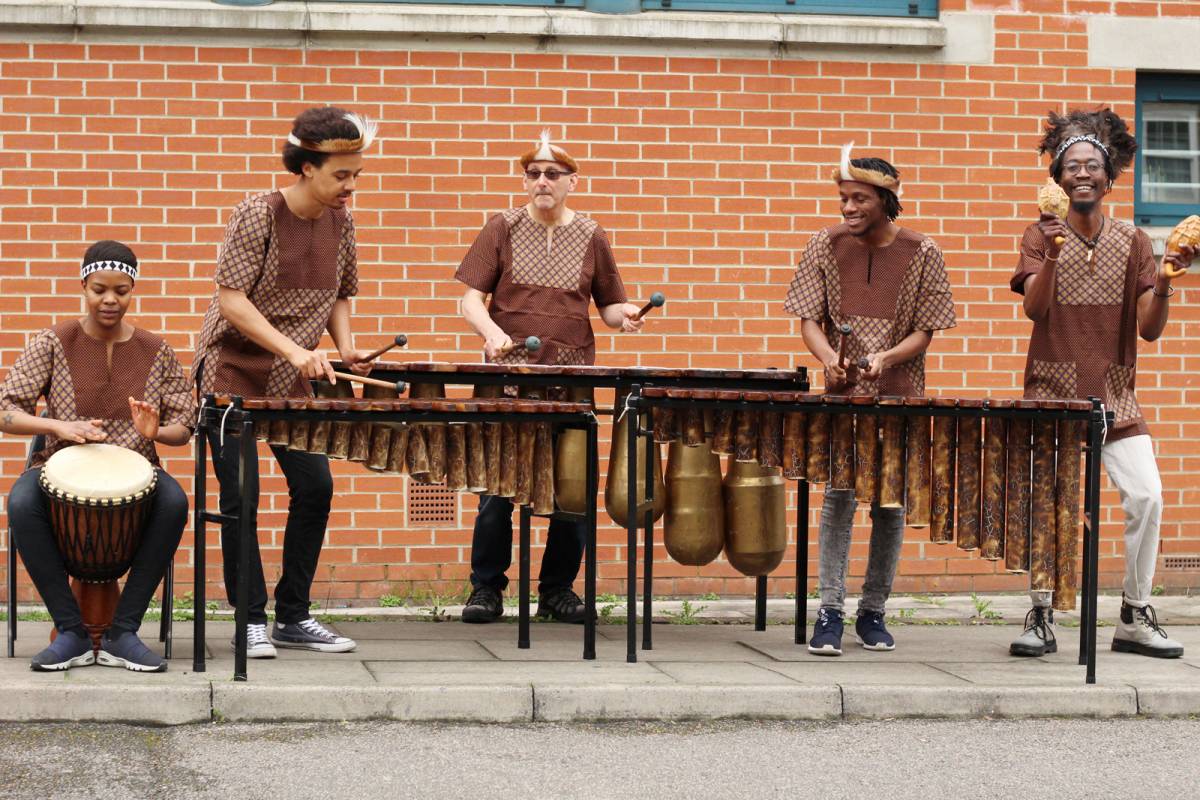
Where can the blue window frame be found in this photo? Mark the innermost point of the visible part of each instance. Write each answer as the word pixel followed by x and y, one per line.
pixel 1168 158
pixel 855 8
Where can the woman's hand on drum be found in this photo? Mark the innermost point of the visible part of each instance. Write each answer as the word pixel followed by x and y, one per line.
pixel 312 364
pixel 145 418
pixel 356 361
pixel 81 431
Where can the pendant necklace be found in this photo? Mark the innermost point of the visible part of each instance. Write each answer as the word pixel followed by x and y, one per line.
pixel 1090 244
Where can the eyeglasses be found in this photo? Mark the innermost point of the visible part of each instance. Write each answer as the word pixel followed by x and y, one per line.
pixel 1091 167
pixel 551 174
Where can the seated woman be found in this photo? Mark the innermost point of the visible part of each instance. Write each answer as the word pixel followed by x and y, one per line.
pixel 90 371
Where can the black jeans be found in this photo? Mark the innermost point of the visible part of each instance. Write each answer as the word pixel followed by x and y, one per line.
pixel 310 489
pixel 491 548
pixel 30 522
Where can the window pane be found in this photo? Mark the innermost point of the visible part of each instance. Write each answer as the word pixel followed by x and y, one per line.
pixel 1171 148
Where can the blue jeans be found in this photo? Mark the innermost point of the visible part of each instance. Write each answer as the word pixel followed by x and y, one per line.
pixel 887 534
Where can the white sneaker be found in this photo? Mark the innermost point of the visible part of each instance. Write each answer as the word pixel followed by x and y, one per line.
pixel 1139 632
pixel 257 643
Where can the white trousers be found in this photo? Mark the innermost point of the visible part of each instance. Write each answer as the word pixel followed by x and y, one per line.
pixel 1132 469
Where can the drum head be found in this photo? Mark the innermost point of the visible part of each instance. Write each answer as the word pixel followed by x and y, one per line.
pixel 98 472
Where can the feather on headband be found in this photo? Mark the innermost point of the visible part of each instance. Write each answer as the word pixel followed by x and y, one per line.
pixel 848 172
pixel 544 151
pixel 367 129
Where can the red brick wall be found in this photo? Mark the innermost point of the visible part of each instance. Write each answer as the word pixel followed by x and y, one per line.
pixel 709 174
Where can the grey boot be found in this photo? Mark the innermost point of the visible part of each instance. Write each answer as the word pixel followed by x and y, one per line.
pixel 1038 637
pixel 1139 632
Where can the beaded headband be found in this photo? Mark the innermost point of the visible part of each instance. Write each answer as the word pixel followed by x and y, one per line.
pixel 116 266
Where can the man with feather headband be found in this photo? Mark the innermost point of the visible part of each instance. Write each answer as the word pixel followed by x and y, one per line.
pixel 889 285
pixel 542 265
pixel 1091 286
pixel 285 274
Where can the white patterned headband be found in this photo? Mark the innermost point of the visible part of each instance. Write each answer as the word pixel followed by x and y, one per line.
pixel 1087 137
pixel 116 266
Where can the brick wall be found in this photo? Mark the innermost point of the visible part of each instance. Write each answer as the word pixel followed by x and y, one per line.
pixel 708 173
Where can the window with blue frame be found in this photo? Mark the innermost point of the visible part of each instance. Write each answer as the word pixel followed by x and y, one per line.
pixel 1168 159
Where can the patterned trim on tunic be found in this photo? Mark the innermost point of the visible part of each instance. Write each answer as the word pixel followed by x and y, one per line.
pixel 1078 283
pixel 1050 380
pixel 559 268
pixel 293 272
pixel 44 369
pixel 1118 380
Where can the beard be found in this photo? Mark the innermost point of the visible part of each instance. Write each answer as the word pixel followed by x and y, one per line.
pixel 1083 207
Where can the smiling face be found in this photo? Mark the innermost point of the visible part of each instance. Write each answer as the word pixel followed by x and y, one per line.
pixel 1083 176
pixel 547 195
pixel 862 207
pixel 332 184
pixel 107 294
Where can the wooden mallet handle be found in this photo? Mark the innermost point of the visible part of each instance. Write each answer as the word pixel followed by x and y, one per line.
pixel 656 301
pixel 845 330
pixel 531 343
pixel 399 386
pixel 399 341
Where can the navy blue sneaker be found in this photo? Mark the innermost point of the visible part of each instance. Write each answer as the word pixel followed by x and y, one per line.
pixel 68 649
pixel 827 633
pixel 128 651
pixel 871 631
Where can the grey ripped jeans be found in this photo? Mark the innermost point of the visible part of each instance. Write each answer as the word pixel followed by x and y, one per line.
pixel 887 534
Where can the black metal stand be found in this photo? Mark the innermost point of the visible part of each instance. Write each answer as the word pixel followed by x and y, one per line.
pixel 237 422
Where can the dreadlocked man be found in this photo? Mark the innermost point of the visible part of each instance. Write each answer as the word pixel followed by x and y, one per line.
pixel 888 284
pixel 1091 287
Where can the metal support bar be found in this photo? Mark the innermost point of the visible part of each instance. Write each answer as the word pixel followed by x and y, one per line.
pixel 1095 443
pixel 589 562
pixel 648 527
pixel 247 527
pixel 631 524
pixel 801 561
pixel 199 536
pixel 760 603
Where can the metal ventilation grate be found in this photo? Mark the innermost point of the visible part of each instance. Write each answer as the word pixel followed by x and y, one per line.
pixel 431 505
pixel 1181 562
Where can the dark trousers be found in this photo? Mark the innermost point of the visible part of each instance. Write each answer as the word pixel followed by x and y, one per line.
pixel 30 521
pixel 310 489
pixel 491 548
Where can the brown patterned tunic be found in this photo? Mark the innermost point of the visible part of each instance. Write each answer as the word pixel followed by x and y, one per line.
pixel 540 291
pixel 1086 346
pixel 70 369
pixel 883 293
pixel 292 270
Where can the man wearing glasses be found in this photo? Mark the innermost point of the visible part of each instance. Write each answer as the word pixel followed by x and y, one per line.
pixel 1092 287
pixel 542 264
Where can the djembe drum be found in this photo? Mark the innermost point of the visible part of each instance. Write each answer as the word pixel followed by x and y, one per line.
pixel 98 497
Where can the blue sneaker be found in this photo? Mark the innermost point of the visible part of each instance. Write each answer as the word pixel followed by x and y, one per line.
pixel 128 651
pixel 871 631
pixel 827 633
pixel 68 649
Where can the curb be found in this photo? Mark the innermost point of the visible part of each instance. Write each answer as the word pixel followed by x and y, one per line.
pixel 27 701
pixel 141 705
pixel 976 702
pixel 612 703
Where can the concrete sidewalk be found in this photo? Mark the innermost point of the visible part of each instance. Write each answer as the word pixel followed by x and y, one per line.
pixel 946 665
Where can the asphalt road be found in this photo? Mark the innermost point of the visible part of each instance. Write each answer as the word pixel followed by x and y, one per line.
pixel 892 760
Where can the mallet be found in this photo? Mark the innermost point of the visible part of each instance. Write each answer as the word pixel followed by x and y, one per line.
pixel 399 386
pixel 531 343
pixel 399 341
pixel 656 301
